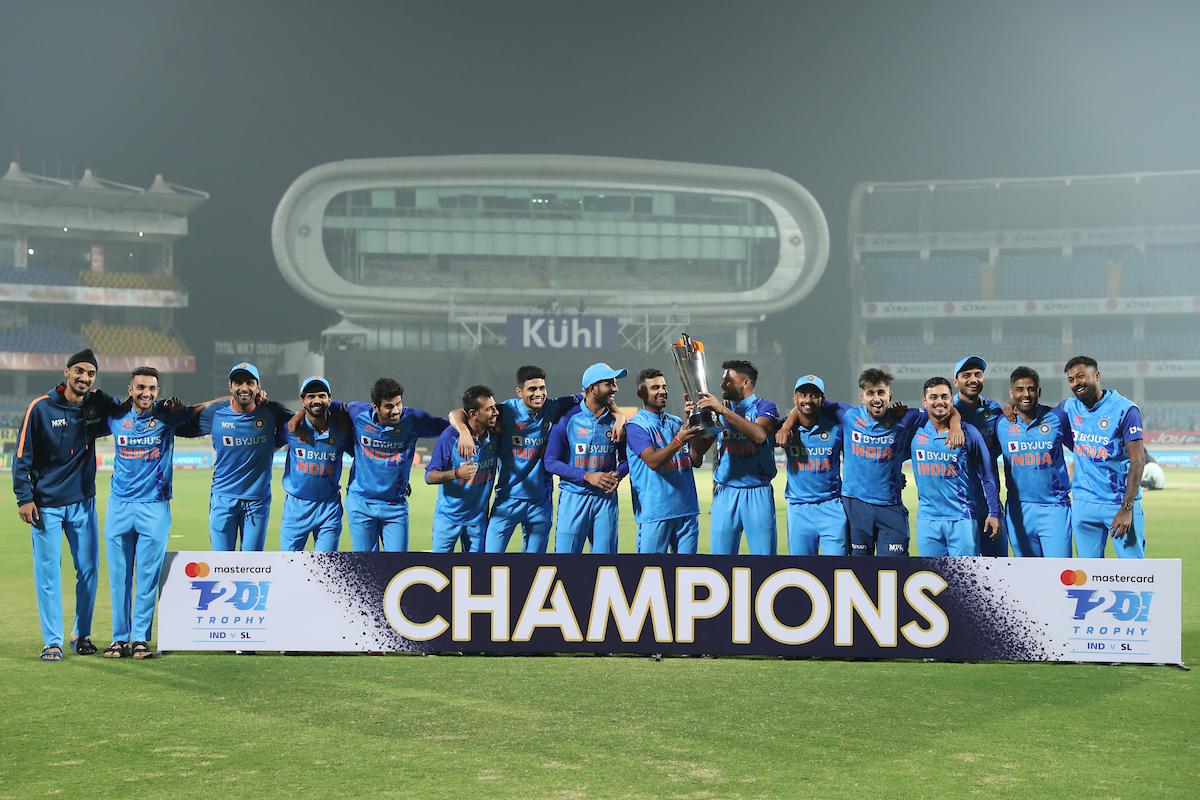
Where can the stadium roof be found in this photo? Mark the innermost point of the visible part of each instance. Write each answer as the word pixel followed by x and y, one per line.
pixel 90 191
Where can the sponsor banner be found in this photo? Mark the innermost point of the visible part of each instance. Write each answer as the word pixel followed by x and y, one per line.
pixel 1111 369
pixel 878 309
pixel 975 609
pixel 557 332
pixel 54 362
pixel 92 296
pixel 1178 458
pixel 1171 437
pixel 1025 239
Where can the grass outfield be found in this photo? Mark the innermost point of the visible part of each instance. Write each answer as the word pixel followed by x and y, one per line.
pixel 569 727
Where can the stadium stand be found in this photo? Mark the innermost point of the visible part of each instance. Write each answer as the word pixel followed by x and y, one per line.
pixel 132 340
pixel 129 280
pixel 1165 271
pixel 37 276
pixel 907 277
pixel 39 338
pixel 1021 276
pixel 1172 415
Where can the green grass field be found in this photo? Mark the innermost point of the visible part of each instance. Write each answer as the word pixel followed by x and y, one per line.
pixel 571 727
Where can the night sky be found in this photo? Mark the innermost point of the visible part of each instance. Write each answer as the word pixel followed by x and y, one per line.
pixel 238 99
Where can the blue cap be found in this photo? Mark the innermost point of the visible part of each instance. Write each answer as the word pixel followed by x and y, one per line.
pixel 318 379
pixel 810 380
pixel 968 362
pixel 247 367
pixel 601 372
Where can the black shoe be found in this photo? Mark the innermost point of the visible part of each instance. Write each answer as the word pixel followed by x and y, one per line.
pixel 83 646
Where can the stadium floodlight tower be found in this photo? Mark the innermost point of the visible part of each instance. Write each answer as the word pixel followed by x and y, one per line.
pixel 440 252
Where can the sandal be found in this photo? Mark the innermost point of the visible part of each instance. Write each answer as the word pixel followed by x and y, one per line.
pixel 117 650
pixel 51 654
pixel 83 646
pixel 142 650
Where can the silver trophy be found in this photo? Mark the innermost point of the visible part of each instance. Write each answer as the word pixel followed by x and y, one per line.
pixel 689 360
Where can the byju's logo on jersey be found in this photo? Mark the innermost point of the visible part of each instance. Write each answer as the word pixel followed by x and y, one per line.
pixel 581 448
pixel 518 441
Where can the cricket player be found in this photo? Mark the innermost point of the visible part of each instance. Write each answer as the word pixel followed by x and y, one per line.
pixel 589 464
pixel 984 414
pixel 245 432
pixel 54 480
pixel 816 518
pixel 465 483
pixel 385 438
pixel 317 443
pixel 661 461
pixel 523 487
pixel 743 500
pixel 875 441
pixel 1038 505
pixel 138 520
pixel 944 476
pixel 1109 457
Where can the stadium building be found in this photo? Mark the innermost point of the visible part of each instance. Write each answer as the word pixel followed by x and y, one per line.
pixel 1034 271
pixel 87 263
pixel 451 270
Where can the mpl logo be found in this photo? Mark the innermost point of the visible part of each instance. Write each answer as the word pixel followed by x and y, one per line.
pixel 1121 604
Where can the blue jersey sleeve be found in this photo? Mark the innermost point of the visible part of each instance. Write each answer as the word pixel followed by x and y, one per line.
pixel 206 419
pixel 1064 425
pixel 1131 426
pixel 555 408
pixel 622 463
pixel 426 425
pixel 985 467
pixel 173 419
pixel 440 459
pixel 352 409
pixel 637 438
pixel 557 454
pixel 282 416
pixel 836 409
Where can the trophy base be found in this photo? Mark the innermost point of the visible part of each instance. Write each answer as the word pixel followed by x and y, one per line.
pixel 706 420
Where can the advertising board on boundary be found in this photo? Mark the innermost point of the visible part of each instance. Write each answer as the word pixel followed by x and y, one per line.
pixel 973 609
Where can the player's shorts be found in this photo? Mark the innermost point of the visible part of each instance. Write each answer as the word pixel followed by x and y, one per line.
pixel 814 527
pixel 1039 530
pixel 586 518
pixel 882 529
pixel 534 517
pixel 945 537
pixel 235 519
pixel 1091 521
pixel 321 518
pixel 377 521
pixel 447 534
pixel 743 509
pixel 675 535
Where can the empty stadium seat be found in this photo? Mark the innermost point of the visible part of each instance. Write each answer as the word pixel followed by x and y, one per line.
pixel 130 280
pixel 37 276
pixel 132 340
pixel 39 338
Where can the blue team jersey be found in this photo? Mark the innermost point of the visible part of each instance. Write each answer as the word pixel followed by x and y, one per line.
pixel 522 446
pixel 814 461
pixel 383 454
pixel 145 447
pixel 667 492
pixel 986 418
pixel 740 462
pixel 1101 456
pixel 462 502
pixel 874 451
pixel 313 470
pixel 580 443
pixel 1035 470
pixel 245 445
pixel 945 477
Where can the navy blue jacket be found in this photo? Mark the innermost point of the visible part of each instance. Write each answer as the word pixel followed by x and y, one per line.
pixel 56 451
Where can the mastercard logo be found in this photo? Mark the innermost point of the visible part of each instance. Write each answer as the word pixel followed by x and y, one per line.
pixel 1073 577
pixel 196 569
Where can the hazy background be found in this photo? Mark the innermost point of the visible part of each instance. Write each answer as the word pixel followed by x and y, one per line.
pixel 238 99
